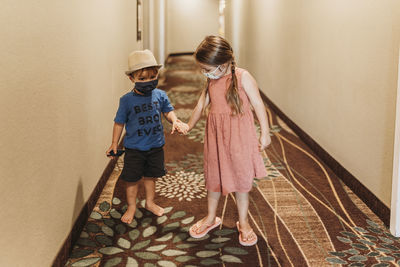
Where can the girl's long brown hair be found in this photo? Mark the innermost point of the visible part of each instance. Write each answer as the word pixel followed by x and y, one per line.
pixel 215 50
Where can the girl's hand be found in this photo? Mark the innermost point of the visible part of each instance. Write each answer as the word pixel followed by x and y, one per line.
pixel 265 140
pixel 183 128
pixel 113 147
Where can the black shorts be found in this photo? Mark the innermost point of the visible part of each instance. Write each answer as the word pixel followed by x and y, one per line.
pixel 138 164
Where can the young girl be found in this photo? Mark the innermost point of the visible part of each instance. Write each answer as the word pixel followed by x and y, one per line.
pixel 231 150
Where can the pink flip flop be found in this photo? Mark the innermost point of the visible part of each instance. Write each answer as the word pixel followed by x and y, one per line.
pixel 193 233
pixel 248 242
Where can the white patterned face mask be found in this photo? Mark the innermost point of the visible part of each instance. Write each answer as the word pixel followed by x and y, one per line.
pixel 211 74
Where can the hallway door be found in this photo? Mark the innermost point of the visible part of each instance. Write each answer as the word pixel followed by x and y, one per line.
pixel 153 35
pixel 395 205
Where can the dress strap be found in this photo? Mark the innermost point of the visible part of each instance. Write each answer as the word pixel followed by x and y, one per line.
pixel 239 72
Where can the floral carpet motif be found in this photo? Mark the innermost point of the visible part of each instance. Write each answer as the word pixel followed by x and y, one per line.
pixel 301 212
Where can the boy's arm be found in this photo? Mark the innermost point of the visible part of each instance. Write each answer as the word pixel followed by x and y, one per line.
pixel 169 114
pixel 117 131
pixel 171 117
pixel 203 102
pixel 253 93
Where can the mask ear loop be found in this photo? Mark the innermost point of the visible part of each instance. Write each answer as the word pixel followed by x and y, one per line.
pixel 212 72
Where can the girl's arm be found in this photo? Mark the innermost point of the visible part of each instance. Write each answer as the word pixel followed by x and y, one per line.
pixel 253 93
pixel 203 102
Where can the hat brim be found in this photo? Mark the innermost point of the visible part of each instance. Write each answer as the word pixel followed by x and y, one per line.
pixel 129 72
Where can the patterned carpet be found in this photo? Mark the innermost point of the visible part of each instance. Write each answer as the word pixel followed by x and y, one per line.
pixel 302 213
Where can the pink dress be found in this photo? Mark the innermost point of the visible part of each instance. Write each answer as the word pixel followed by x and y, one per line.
pixel 231 155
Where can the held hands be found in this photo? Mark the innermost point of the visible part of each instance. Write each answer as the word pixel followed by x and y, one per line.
pixel 265 140
pixel 180 127
pixel 185 130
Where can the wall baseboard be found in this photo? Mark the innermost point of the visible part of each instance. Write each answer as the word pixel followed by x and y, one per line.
pixel 73 236
pixel 377 206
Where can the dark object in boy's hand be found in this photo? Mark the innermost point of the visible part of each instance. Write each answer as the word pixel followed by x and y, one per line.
pixel 119 153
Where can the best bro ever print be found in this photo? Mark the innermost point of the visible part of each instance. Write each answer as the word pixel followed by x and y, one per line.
pixel 148 118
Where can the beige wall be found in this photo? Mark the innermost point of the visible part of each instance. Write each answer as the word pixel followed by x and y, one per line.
pixel 188 22
pixel 61 75
pixel 331 66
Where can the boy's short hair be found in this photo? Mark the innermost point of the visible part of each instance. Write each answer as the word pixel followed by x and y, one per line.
pixel 145 72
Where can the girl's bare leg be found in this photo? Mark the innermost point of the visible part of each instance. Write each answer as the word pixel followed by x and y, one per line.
pixel 242 200
pixel 212 201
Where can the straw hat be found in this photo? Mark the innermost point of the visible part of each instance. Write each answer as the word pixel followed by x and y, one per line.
pixel 141 59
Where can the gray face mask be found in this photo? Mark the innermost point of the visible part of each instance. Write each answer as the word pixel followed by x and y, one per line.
pixel 211 74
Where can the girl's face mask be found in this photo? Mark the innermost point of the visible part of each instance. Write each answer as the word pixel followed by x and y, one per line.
pixel 211 74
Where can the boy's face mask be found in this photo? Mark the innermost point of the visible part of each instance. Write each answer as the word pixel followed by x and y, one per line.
pixel 211 74
pixel 146 87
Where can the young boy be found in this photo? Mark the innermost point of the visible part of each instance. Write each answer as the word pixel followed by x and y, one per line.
pixel 140 111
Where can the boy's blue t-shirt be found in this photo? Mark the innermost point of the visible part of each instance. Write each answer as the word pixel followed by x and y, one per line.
pixel 142 118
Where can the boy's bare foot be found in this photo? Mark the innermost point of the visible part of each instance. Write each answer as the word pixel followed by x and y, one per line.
pixel 128 215
pixel 154 208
